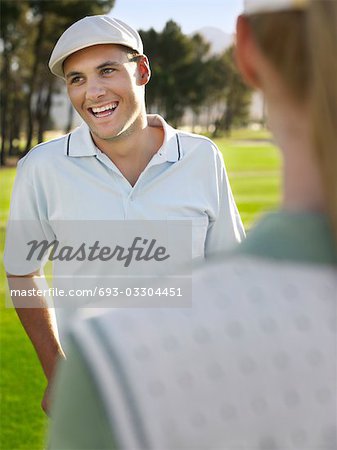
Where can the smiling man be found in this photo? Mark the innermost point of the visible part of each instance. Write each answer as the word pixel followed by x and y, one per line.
pixel 105 84
pixel 120 164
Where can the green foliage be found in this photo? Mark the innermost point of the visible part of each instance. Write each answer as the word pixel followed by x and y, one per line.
pixel 186 75
pixel 61 14
pixel 178 66
pixel 237 97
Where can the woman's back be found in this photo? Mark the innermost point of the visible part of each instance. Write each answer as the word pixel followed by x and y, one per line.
pixel 252 363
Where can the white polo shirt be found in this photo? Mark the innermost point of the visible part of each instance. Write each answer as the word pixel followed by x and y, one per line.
pixel 70 179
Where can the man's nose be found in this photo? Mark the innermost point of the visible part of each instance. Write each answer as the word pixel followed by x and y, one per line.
pixel 95 89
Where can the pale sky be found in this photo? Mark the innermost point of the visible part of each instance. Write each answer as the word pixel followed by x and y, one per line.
pixel 191 15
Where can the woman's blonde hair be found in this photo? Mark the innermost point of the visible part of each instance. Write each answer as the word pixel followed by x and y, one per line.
pixel 302 46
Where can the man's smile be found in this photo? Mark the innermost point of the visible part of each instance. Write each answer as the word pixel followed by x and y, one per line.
pixel 103 111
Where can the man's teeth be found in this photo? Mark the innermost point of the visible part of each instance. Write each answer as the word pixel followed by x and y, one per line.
pixel 105 108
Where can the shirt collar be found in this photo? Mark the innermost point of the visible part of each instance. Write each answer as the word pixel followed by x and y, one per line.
pixel 79 142
pixel 171 149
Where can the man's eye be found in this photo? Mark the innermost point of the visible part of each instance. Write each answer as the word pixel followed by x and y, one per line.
pixel 107 70
pixel 75 80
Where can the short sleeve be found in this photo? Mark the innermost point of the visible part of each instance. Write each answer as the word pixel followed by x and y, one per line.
pixel 28 221
pixel 226 230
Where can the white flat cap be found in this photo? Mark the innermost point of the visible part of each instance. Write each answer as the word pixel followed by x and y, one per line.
pixel 92 30
pixel 260 6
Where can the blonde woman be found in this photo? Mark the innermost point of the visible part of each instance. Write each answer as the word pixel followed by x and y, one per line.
pixel 252 365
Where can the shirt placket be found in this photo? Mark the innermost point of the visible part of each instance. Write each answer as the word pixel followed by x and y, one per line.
pixel 128 192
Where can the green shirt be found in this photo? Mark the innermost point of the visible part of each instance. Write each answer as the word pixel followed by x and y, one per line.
pixel 297 237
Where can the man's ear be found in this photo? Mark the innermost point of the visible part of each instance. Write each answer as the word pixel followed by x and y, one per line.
pixel 144 71
pixel 246 53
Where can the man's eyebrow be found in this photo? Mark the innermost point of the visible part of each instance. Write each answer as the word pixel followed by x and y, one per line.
pixel 108 63
pixel 72 74
pixel 101 66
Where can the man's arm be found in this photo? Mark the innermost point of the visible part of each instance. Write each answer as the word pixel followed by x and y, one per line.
pixel 226 230
pixel 38 324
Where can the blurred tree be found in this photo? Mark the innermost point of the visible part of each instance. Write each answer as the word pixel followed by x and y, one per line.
pixel 214 84
pixel 10 19
pixel 51 18
pixel 178 63
pixel 197 74
pixel 237 97
pixel 185 75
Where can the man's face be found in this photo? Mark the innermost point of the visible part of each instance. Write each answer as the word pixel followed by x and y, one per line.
pixel 107 89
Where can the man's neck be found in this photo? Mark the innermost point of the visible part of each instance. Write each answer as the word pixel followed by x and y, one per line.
pixel 132 153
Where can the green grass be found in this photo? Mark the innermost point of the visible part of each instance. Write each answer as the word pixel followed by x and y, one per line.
pixel 22 424
pixel 253 166
pixel 250 134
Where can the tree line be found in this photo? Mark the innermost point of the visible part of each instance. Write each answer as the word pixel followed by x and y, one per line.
pixel 185 74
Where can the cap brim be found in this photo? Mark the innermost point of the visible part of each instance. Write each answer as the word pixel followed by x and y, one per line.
pixel 57 66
